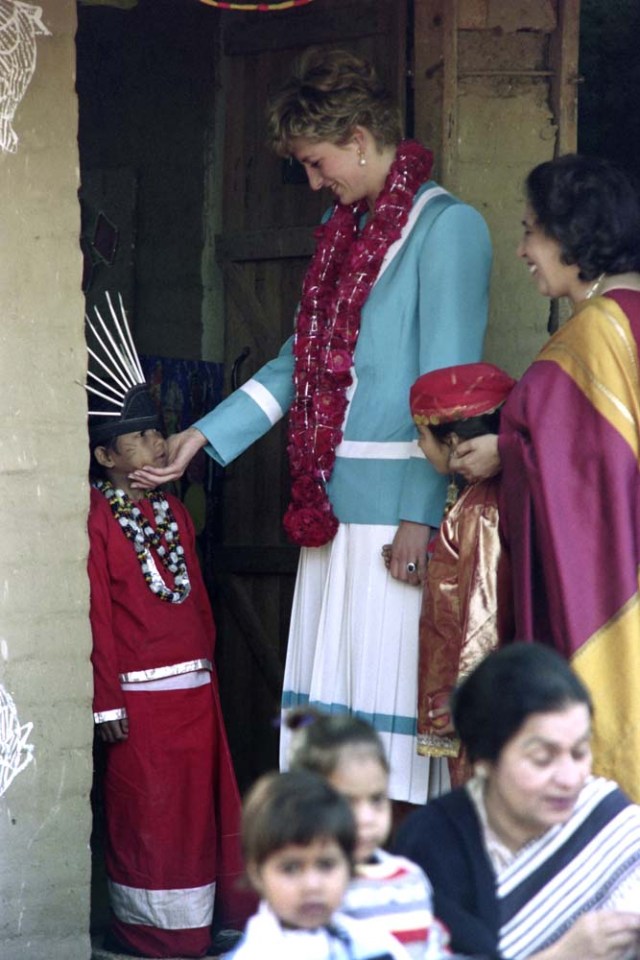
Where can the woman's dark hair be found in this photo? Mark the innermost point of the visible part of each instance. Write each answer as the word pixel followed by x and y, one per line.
pixel 320 740
pixel 509 685
pixel 469 427
pixel 592 208
pixel 297 807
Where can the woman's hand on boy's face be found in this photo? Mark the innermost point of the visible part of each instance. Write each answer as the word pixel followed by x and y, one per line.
pixel 477 459
pixel 436 451
pixel 181 449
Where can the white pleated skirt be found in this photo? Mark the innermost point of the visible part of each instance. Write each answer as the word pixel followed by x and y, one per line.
pixel 353 648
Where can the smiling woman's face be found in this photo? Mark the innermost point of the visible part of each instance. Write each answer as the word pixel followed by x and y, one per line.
pixel 336 168
pixel 543 256
pixel 535 782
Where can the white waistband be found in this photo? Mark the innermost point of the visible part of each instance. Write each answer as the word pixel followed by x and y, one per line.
pixel 373 450
pixel 178 675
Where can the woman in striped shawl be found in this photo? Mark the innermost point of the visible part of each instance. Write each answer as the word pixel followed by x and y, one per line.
pixel 534 857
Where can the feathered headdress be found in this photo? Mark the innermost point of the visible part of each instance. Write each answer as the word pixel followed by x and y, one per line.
pixel 120 398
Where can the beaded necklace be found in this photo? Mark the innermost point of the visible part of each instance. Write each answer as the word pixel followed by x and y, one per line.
pixel 139 530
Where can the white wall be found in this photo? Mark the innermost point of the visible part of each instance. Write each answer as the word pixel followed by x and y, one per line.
pixel 44 634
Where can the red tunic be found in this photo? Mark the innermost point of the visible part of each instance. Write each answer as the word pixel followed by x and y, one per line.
pixel 172 804
pixel 132 628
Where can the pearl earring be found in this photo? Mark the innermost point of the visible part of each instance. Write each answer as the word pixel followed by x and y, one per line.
pixel 481 770
pixel 362 160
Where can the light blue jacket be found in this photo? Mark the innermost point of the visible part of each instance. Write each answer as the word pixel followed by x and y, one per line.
pixel 427 309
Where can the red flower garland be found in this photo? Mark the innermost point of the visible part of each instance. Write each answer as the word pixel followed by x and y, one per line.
pixel 335 288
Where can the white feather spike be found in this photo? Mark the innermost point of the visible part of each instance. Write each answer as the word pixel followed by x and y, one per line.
pixel 111 373
pixel 118 356
pixel 126 338
pixel 98 393
pixel 107 386
pixel 133 352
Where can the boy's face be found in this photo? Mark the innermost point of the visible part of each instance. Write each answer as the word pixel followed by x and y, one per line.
pixel 303 885
pixel 131 451
pixel 437 451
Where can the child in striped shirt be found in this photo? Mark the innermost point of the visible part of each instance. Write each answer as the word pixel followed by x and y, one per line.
pixel 390 892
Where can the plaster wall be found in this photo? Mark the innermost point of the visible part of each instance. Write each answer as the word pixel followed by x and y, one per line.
pixel 44 633
pixel 503 134
pixel 505 127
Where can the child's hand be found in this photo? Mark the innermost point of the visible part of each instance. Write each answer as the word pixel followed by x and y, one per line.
pixel 441 720
pixel 113 731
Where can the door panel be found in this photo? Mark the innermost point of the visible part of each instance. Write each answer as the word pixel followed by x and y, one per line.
pixel 264 249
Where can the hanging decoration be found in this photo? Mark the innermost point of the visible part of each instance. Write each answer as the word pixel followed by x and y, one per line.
pixel 20 24
pixel 268 7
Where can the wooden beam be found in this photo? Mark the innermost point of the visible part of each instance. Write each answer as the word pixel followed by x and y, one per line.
pixel 428 18
pixel 450 94
pixel 313 24
pixel 565 79
pixel 244 297
pixel 278 244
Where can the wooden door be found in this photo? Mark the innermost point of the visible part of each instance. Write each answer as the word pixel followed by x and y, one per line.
pixel 264 249
pixel 469 66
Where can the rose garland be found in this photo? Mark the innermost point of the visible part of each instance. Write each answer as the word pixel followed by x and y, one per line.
pixel 336 286
pixel 139 531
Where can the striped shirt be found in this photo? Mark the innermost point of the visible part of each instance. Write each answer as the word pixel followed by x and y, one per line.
pixel 394 896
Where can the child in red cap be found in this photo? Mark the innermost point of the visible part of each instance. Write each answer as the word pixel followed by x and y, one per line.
pixel 466 602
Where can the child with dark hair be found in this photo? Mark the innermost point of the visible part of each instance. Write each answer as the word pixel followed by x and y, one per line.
pixel 299 838
pixel 465 609
pixel 392 894
pixel 171 802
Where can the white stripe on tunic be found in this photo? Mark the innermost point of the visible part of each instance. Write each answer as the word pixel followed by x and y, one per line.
pixel 373 450
pixel 188 909
pixel 264 399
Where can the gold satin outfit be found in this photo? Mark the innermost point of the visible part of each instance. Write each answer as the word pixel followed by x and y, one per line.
pixel 465 610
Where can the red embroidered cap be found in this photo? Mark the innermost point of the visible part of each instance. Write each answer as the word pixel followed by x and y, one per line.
pixel 455 393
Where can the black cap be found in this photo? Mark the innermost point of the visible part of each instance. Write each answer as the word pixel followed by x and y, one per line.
pixel 138 412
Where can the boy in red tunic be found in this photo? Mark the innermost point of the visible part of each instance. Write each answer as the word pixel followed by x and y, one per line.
pixel 466 603
pixel 171 800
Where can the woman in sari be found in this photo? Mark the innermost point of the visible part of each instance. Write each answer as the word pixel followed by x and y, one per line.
pixel 534 857
pixel 569 448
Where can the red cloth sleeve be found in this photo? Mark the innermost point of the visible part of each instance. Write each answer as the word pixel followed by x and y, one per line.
pixel 107 694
